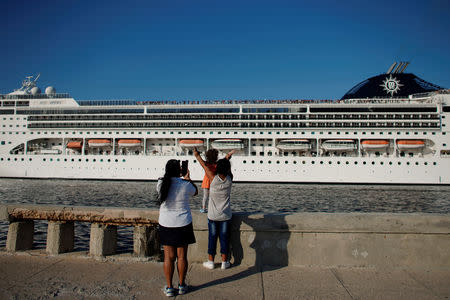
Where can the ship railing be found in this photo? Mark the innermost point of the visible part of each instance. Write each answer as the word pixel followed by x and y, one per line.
pixel 39 96
pixel 196 102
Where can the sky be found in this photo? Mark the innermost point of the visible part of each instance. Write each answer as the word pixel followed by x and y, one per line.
pixel 196 49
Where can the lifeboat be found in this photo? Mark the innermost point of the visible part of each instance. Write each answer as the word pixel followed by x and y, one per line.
pixel 339 145
pixel 74 145
pixel 99 143
pixel 410 144
pixel 294 144
pixel 374 144
pixel 191 143
pixel 129 143
pixel 227 144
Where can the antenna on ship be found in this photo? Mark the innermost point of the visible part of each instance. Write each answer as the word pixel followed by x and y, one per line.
pixel 391 68
pixel 404 67
pixel 398 67
pixel 28 86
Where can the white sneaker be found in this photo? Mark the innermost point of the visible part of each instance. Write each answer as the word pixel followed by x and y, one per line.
pixel 209 264
pixel 225 265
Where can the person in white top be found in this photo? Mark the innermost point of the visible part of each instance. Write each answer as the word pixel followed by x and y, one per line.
pixel 175 223
pixel 219 209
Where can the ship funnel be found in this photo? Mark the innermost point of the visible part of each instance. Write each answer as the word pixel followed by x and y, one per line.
pixel 391 68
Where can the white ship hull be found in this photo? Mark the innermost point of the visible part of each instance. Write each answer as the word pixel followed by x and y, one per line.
pixel 53 136
pixel 313 170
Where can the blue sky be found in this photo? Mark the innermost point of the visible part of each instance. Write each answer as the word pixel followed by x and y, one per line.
pixel 178 49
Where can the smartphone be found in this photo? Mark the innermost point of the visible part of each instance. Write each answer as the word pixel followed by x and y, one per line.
pixel 184 167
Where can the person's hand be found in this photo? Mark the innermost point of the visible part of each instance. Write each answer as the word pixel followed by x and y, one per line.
pixel 187 176
pixel 196 153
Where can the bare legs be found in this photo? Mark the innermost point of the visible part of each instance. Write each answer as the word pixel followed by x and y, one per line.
pixel 172 253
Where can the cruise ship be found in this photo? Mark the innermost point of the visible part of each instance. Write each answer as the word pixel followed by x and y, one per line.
pixel 392 128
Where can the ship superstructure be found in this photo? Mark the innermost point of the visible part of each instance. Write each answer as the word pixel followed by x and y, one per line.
pixel 397 138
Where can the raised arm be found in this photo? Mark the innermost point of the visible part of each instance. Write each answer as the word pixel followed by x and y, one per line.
pixel 208 172
pixel 229 154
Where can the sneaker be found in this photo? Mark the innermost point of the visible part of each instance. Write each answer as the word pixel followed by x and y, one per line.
pixel 225 265
pixel 209 264
pixel 203 211
pixel 182 289
pixel 169 292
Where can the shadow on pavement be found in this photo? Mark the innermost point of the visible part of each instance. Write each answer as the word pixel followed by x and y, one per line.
pixel 270 252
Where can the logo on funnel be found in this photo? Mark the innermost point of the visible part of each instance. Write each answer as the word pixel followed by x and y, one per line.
pixel 391 85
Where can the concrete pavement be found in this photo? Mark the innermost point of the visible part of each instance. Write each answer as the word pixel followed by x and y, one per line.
pixel 34 275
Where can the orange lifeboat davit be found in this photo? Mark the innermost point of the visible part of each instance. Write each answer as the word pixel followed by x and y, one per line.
pixel 99 143
pixel 129 143
pixel 74 145
pixel 374 144
pixel 410 144
pixel 191 143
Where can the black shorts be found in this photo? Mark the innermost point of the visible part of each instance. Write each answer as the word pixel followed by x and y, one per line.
pixel 176 236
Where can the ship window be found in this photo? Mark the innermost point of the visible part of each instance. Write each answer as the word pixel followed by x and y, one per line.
pixel 399 163
pixel 313 162
pixel 244 161
pixel 373 163
pixel 278 161
pixel 260 161
pixel 253 161
pixel 434 163
pixel 407 163
pixel 356 162
pixel 295 162
pixel 364 162
pixel 425 163
pixel 270 161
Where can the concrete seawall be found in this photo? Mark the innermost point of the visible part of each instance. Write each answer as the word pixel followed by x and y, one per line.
pixel 299 239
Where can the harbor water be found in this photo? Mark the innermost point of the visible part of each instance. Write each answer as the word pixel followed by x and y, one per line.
pixel 246 197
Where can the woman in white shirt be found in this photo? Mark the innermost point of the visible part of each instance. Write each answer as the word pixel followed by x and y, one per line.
pixel 175 223
pixel 219 209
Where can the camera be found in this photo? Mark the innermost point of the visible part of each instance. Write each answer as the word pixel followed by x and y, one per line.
pixel 184 167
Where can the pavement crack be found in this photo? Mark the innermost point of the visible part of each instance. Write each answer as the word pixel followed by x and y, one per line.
pixel 262 284
pixel 334 271
pixel 420 282
pixel 38 272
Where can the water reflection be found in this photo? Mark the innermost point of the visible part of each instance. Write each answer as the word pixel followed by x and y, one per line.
pixel 246 197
